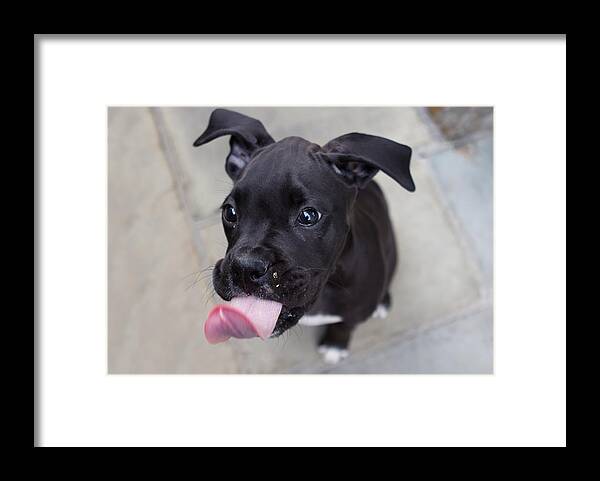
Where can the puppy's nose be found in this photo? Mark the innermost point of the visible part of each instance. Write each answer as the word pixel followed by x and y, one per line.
pixel 251 268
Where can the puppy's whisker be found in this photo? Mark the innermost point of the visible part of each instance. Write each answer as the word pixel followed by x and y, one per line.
pixel 208 268
pixel 192 274
pixel 206 276
pixel 209 294
pixel 192 284
pixel 201 277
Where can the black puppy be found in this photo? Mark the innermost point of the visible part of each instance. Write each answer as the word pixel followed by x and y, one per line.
pixel 307 228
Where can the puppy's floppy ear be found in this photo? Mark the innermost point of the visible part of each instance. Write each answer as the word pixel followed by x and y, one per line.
pixel 358 157
pixel 247 135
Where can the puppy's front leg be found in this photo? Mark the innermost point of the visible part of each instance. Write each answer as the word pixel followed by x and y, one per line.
pixel 335 342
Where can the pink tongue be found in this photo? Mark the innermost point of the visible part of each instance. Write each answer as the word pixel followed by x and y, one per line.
pixel 242 318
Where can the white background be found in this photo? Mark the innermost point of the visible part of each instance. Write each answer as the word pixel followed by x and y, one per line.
pixel 523 403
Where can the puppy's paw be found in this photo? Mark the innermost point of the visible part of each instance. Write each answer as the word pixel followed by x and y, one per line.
pixel 381 312
pixel 332 354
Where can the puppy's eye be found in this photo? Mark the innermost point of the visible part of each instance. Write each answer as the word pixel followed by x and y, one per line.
pixel 308 216
pixel 229 214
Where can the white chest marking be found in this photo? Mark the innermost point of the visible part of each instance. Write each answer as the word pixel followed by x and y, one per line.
pixel 319 320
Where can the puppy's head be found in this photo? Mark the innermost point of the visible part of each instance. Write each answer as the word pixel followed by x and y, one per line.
pixel 288 214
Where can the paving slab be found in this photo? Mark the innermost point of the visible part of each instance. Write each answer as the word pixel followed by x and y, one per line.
pixel 465 175
pixel 154 321
pixel 461 346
